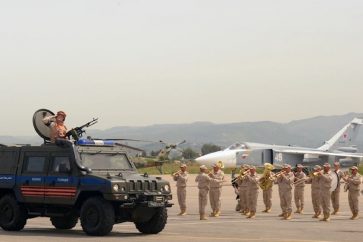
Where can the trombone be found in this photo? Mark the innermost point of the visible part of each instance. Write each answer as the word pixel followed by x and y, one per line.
pixel 242 175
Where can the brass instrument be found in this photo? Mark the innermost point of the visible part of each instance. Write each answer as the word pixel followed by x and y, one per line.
pixel 300 181
pixel 278 174
pixel 176 173
pixel 220 164
pixel 242 175
pixel 266 181
pixel 316 173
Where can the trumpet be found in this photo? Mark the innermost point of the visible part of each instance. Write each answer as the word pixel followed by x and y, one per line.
pixel 316 173
pixel 176 173
pixel 300 181
pixel 346 183
pixel 278 174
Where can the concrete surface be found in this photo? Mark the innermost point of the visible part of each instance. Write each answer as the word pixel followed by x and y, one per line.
pixel 230 226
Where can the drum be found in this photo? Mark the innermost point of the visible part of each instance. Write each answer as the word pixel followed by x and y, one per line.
pixel 334 182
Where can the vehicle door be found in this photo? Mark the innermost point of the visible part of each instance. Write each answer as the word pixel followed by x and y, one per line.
pixel 62 182
pixel 30 182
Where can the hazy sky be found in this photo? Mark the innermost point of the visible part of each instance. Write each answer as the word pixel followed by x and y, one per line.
pixel 151 62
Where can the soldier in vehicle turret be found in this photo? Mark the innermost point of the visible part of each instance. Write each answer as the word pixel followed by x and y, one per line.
pixel 56 124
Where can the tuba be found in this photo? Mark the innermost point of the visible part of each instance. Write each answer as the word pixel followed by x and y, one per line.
pixel 220 164
pixel 266 181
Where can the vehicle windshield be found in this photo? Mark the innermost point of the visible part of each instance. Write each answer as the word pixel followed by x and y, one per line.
pixel 105 161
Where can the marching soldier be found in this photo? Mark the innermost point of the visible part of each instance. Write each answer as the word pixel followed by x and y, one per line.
pixel 353 182
pixel 203 181
pixel 315 190
pixel 325 185
pixel 243 187
pixel 266 183
pixel 57 127
pixel 217 178
pixel 285 180
pixel 234 183
pixel 336 193
pixel 181 178
pixel 299 184
pixel 252 190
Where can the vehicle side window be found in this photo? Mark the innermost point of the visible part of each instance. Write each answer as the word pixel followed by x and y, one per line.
pixel 34 164
pixel 61 164
pixel 8 162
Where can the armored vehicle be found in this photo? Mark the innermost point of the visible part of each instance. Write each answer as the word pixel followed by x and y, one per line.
pixel 92 181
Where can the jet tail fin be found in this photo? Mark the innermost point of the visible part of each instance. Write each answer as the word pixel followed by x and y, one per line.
pixel 345 137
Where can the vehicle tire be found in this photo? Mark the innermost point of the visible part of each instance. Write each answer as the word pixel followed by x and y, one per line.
pixel 67 222
pixel 13 215
pixel 155 224
pixel 97 216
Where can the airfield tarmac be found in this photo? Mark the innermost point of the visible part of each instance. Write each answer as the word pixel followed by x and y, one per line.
pixel 230 226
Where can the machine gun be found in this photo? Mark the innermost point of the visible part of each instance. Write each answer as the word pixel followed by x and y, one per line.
pixel 77 132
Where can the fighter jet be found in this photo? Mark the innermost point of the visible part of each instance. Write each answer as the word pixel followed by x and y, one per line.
pixel 339 148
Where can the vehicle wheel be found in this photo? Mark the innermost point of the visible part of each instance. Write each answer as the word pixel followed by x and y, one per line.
pixel 97 216
pixel 155 224
pixel 13 216
pixel 67 222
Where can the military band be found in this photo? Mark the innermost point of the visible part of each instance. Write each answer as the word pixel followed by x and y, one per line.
pixel 215 192
pixel 248 184
pixel 181 178
pixel 252 191
pixel 266 184
pixel 315 190
pixel 299 184
pixel 243 188
pixel 353 186
pixel 336 193
pixel 285 180
pixel 325 186
pixel 203 181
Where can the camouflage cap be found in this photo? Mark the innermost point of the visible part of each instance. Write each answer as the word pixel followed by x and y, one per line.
pixel 286 166
pixel 326 165
pixel 203 167
pixel 336 163
pixel 354 168
pixel 299 166
pixel 183 165
pixel 317 167
pixel 252 167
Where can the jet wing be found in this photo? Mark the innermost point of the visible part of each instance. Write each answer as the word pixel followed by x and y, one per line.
pixel 320 153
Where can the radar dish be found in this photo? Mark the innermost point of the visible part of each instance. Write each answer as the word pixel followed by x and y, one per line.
pixel 42 129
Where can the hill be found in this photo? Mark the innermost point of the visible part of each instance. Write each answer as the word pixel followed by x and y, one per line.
pixel 311 132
